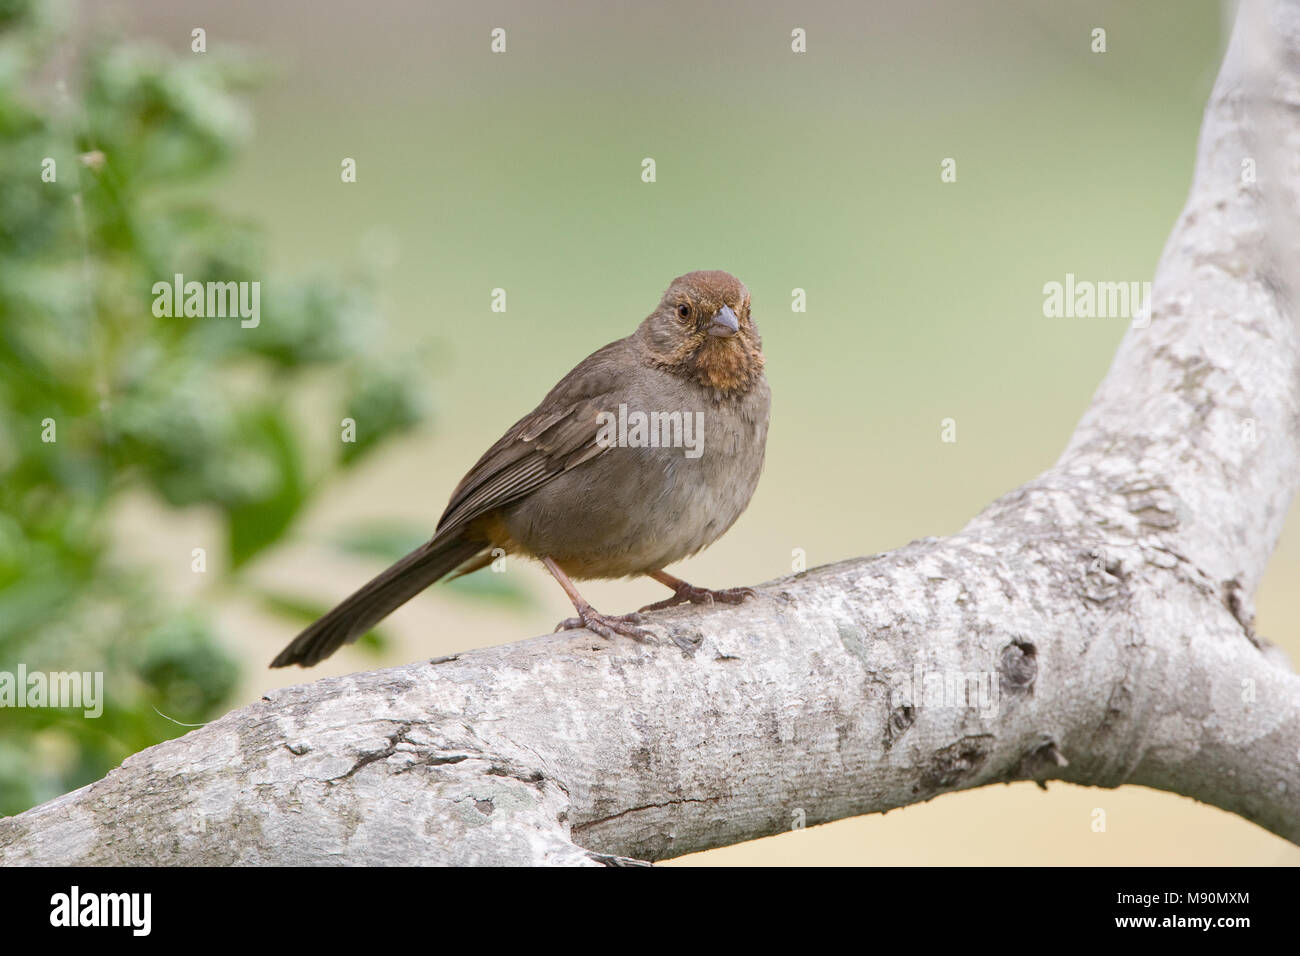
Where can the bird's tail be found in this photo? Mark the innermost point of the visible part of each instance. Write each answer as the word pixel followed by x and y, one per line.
pixel 374 601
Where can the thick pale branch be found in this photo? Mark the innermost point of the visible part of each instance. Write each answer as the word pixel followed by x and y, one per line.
pixel 1093 626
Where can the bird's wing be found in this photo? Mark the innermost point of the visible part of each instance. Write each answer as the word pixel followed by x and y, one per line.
pixel 559 435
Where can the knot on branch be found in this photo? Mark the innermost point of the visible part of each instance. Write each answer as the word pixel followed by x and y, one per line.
pixel 1018 667
pixel 1041 763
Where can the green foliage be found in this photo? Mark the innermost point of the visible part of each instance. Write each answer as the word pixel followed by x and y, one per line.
pixel 187 411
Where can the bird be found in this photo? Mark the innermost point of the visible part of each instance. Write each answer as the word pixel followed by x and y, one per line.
pixel 644 454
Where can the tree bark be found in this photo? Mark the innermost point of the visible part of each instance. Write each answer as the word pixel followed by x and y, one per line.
pixel 1094 625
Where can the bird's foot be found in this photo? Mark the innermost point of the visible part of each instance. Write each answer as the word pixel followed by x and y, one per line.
pixel 606 625
pixel 689 594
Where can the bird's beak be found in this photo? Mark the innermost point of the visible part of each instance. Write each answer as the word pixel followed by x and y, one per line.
pixel 724 322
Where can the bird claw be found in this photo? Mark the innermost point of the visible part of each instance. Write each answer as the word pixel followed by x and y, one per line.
pixel 606 625
pixel 733 595
pixel 689 594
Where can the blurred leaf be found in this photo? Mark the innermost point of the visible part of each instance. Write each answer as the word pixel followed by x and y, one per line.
pixel 305 611
pixel 186 669
pixel 255 524
pixel 382 404
pixel 386 542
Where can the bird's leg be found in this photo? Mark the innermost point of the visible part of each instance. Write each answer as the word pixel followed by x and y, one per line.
pixel 684 593
pixel 588 617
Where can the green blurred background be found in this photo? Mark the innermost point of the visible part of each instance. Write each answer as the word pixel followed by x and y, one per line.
pixel 817 171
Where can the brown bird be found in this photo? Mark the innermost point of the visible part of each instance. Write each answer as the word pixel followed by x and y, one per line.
pixel 642 455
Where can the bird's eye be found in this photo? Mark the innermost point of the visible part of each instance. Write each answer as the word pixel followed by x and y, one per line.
pixel 684 311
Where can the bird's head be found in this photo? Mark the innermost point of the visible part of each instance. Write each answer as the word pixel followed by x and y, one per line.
pixel 702 330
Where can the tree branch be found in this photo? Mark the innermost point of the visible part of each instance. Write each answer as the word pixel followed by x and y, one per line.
pixel 1094 625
